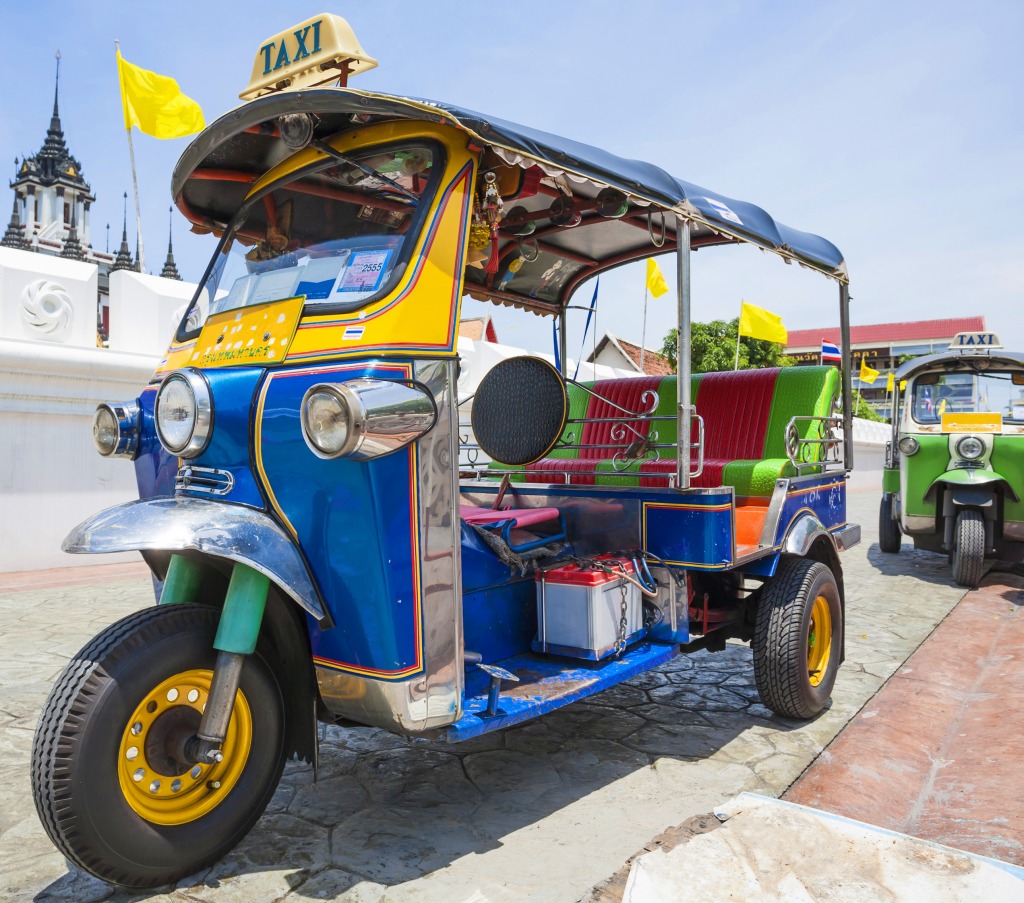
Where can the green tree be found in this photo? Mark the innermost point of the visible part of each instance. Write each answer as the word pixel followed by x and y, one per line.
pixel 713 348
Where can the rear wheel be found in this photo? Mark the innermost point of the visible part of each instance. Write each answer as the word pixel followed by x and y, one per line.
pixel 889 536
pixel 798 638
pixel 969 549
pixel 113 784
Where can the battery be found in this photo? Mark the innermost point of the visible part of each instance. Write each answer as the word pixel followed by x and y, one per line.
pixel 579 609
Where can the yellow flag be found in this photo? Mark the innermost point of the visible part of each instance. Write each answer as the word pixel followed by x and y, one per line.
pixel 890 382
pixel 867 374
pixel 759 323
pixel 903 385
pixel 155 103
pixel 656 283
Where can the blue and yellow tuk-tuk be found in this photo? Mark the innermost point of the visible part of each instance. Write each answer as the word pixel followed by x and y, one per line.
pixel 319 553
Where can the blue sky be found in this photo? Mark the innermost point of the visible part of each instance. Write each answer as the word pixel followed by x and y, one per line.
pixel 894 129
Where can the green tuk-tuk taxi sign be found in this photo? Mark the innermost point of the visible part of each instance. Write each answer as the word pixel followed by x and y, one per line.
pixel 954 470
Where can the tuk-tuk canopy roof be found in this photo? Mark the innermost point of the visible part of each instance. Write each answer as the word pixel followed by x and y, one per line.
pixel 992 360
pixel 209 183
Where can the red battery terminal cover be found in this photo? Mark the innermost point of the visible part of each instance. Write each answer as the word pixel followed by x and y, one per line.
pixel 576 575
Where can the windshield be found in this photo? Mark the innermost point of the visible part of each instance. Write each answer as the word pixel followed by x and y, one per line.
pixel 990 391
pixel 338 235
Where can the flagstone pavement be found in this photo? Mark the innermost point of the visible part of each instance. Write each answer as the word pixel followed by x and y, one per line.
pixel 539 812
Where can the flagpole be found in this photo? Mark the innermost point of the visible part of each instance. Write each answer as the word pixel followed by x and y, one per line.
pixel 736 365
pixel 643 333
pixel 135 180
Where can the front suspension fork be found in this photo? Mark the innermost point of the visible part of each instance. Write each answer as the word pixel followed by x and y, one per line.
pixel 237 633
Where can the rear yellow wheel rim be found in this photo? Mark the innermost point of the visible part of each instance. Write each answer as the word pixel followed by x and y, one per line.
pixel 819 641
pixel 159 786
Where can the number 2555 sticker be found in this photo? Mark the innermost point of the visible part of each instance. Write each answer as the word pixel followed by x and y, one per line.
pixel 365 271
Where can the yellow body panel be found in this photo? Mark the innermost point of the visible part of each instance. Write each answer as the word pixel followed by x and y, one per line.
pixel 260 334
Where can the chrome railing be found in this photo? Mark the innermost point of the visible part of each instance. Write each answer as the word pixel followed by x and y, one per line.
pixel 821 448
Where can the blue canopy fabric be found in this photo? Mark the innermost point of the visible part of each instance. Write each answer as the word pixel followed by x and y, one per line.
pixel 245 140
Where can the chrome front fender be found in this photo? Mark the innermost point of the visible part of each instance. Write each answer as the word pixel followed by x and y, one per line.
pixel 803 534
pixel 227 531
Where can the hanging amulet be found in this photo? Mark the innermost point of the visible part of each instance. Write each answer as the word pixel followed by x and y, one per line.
pixel 479 236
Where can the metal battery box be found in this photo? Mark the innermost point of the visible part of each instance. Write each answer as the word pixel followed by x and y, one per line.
pixel 579 609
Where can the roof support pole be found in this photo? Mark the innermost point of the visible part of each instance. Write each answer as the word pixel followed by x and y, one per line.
pixel 683 411
pixel 847 374
pixel 562 344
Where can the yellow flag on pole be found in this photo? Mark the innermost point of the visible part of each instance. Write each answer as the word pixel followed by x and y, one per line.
pixel 656 283
pixel 890 382
pixel 867 374
pixel 758 323
pixel 155 104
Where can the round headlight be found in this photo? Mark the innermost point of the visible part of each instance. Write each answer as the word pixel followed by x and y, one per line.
pixel 104 431
pixel 184 413
pixel 327 421
pixel 908 445
pixel 970 447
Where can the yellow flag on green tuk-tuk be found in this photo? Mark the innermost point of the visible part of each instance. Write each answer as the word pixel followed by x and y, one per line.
pixel 868 374
pixel 758 323
pixel 890 382
pixel 155 104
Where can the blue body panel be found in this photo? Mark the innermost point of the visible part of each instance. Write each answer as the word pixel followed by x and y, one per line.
pixel 357 524
pixel 154 468
pixel 824 497
pixel 547 684
pixel 695 532
pixel 230 447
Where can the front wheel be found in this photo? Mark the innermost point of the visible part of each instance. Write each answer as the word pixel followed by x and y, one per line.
pixel 113 784
pixel 969 549
pixel 798 638
pixel 889 536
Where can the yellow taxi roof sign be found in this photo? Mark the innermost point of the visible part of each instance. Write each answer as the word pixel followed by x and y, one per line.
pixel 320 50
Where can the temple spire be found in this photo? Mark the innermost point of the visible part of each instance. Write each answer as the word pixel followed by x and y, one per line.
pixel 170 270
pixel 123 260
pixel 14 237
pixel 72 249
pixel 54 146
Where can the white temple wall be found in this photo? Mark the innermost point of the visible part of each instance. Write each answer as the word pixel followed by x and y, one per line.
pixel 51 477
pixel 47 299
pixel 145 310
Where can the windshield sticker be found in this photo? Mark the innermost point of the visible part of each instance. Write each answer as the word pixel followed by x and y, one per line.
pixel 366 271
pixel 724 211
pixel 320 276
pixel 272 286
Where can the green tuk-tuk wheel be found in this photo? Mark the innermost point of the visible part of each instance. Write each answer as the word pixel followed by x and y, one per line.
pixel 113 784
pixel 969 547
pixel 889 536
pixel 798 635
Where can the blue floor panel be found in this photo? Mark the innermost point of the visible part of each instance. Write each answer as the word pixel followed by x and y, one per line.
pixel 546 684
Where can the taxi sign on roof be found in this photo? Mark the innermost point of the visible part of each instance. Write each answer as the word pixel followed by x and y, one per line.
pixel 320 50
pixel 975 341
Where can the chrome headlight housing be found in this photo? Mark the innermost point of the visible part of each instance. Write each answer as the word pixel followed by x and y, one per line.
pixel 970 448
pixel 115 429
pixel 184 413
pixel 365 418
pixel 908 446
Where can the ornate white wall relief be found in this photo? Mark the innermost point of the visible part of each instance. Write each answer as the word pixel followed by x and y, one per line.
pixel 47 311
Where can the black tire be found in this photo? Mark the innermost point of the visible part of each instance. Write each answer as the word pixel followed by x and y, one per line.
pixel 969 550
pixel 889 536
pixel 784 644
pixel 77 751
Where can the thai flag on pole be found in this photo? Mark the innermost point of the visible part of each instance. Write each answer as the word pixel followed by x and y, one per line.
pixel 830 352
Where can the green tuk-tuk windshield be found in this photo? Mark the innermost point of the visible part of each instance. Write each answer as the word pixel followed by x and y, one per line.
pixel 968 391
pixel 339 234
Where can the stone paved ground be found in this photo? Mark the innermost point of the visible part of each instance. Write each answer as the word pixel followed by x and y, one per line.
pixel 540 812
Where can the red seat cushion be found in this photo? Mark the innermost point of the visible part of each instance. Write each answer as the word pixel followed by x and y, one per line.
pixel 735 406
pixel 573 466
pixel 628 394
pixel 656 473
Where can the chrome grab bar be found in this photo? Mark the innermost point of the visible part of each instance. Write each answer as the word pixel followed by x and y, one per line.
pixel 801 450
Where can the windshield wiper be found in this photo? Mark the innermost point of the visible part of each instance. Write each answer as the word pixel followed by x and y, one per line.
pixel 367 170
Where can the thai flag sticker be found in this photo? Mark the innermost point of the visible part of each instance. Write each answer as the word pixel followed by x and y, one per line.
pixel 352 333
pixel 724 211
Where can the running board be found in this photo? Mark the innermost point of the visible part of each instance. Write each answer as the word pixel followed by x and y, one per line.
pixel 545 684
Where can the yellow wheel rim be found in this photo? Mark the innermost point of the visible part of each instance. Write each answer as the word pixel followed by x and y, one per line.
pixel 819 641
pixel 156 782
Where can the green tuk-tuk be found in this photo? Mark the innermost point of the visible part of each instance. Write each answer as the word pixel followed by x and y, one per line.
pixel 954 469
